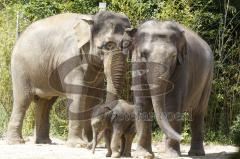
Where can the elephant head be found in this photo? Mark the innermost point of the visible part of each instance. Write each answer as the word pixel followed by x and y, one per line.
pixel 106 46
pixel 159 47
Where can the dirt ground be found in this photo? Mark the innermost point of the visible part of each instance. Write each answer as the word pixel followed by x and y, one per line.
pixel 59 151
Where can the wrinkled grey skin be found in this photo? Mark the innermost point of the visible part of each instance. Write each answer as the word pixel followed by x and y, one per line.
pixel 45 46
pixel 187 65
pixel 116 122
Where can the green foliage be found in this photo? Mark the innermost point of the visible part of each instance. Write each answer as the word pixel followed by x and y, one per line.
pixel 35 10
pixel 83 6
pixel 216 21
pixel 186 133
pixel 176 10
pixel 58 119
pixel 7 36
pixel 158 135
pixel 235 131
pixel 225 98
pixel 137 12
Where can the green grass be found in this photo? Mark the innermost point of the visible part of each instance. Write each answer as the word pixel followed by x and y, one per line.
pixel 3 120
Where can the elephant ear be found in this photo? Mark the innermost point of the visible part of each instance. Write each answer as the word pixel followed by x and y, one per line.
pixel 131 32
pixel 83 30
pixel 109 109
pixel 128 41
pixel 181 48
pixel 110 105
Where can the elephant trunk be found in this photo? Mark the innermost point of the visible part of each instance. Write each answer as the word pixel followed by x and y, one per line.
pixel 114 68
pixel 96 138
pixel 158 103
pixel 94 141
pixel 158 87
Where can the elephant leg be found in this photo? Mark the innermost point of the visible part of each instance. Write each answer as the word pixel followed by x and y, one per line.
pixel 43 107
pixel 197 135
pixel 89 103
pixel 21 102
pixel 74 135
pixel 197 123
pixel 80 105
pixel 80 129
pixel 115 142
pixel 143 108
pixel 76 122
pixel 93 97
pixel 107 137
pixel 14 132
pixel 172 147
pixel 174 116
pixel 128 144
pixel 123 143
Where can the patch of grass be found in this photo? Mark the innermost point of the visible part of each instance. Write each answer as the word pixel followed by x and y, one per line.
pixel 29 121
pixel 4 120
pixel 157 135
pixel 235 131
pixel 217 138
pixel 58 119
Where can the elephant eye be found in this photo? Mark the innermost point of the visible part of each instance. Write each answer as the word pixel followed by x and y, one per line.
pixel 110 46
pixel 159 37
pixel 125 44
pixel 172 56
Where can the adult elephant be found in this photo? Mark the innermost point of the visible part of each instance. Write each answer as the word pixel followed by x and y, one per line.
pixel 172 73
pixel 66 55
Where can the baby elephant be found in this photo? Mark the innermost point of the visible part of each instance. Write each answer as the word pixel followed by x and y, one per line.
pixel 116 122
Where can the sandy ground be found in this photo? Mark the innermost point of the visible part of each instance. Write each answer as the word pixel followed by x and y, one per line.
pixel 59 151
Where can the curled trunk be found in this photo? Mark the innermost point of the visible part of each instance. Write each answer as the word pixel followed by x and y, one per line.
pixel 94 141
pixel 114 68
pixel 158 102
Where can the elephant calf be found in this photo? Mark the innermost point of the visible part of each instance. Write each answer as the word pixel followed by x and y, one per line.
pixel 116 121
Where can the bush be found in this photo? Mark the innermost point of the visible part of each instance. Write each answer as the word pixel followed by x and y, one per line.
pixel 235 131
pixel 7 38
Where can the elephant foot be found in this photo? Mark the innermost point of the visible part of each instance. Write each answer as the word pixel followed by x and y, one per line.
pixel 172 148
pixel 13 141
pixel 109 154
pixel 196 152
pixel 43 141
pixel 77 143
pixel 115 155
pixel 89 145
pixel 170 152
pixel 126 154
pixel 143 153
